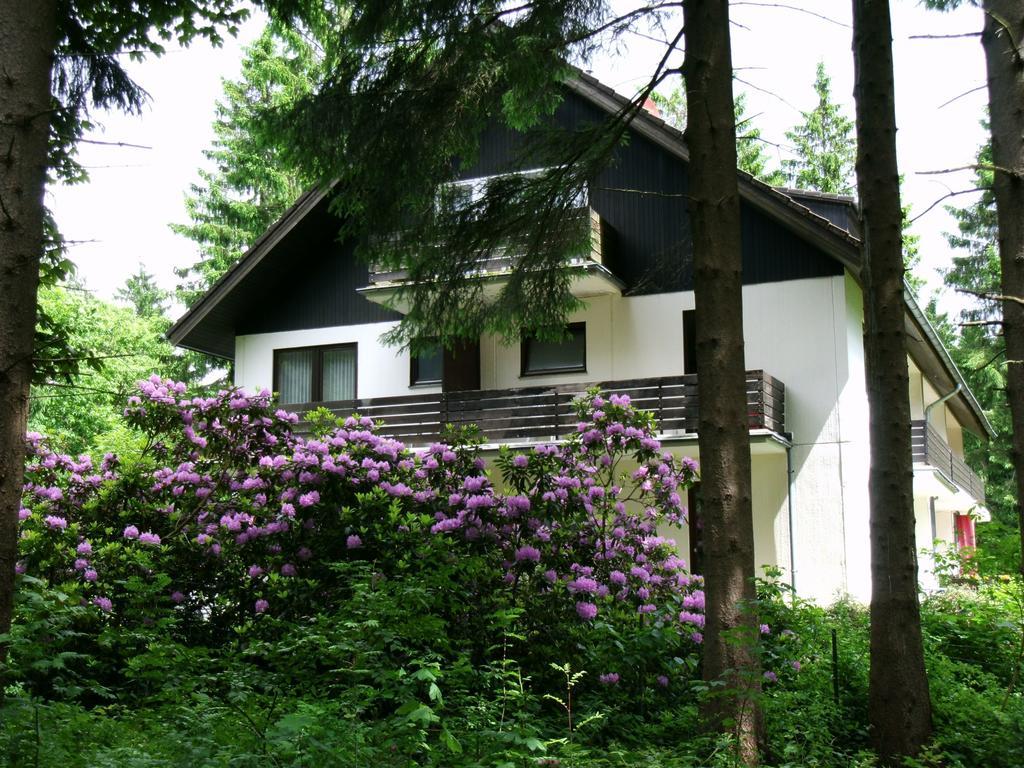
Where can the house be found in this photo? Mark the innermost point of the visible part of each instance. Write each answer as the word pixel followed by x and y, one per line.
pixel 300 315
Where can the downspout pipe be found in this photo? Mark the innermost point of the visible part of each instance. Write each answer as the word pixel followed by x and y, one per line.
pixel 948 396
pixel 789 515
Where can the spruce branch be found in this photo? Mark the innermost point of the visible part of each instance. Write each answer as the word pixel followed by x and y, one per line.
pixel 113 144
pixel 796 8
pixel 764 91
pixel 946 196
pixel 989 362
pixel 974 167
pixel 645 192
pixel 944 37
pixel 621 21
pixel 965 93
pixel 988 296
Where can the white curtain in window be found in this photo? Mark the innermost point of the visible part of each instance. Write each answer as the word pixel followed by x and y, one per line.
pixel 339 372
pixel 295 375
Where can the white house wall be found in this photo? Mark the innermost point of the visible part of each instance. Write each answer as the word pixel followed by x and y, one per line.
pixel 806 333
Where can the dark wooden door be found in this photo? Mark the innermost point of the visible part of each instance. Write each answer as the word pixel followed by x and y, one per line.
pixel 461 370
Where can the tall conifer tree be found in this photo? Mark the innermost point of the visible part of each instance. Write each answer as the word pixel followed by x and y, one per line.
pixel 899 706
pixel 1002 40
pixel 824 143
pixel 730 652
pixel 57 59
pixel 250 184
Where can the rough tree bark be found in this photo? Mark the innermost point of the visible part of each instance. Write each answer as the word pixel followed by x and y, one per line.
pixel 731 631
pixel 1002 39
pixel 898 700
pixel 28 33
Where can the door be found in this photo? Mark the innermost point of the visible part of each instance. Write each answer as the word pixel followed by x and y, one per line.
pixel 461 370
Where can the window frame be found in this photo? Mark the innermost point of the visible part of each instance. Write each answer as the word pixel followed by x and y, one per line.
pixel 318 370
pixel 414 380
pixel 524 355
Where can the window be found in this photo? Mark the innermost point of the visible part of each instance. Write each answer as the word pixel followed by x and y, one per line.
pixel 427 367
pixel 459 195
pixel 689 341
pixel 569 354
pixel 315 374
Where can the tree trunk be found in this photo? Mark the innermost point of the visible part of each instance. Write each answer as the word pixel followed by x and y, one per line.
pixel 899 705
pixel 1001 39
pixel 27 40
pixel 731 630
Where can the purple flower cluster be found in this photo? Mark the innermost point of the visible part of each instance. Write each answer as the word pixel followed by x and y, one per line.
pixel 234 485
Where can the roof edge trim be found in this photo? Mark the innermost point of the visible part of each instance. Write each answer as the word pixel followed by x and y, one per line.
pixel 248 261
pixel 933 338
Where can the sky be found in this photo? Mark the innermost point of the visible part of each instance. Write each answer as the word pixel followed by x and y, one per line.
pixel 119 219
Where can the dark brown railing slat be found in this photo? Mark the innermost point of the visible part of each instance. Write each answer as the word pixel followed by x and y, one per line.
pixel 546 412
pixel 928 447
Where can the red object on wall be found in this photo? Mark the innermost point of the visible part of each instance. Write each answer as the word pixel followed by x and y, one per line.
pixel 964 531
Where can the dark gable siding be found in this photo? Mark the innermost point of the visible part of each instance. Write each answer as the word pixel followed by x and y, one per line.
pixel 310 282
pixel 772 253
pixel 310 279
pixel 642 195
pixel 840 214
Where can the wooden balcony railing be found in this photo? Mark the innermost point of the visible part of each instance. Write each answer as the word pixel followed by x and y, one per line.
pixel 546 413
pixel 928 447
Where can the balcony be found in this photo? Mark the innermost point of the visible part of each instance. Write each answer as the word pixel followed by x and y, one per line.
pixel 593 277
pixel 929 448
pixel 545 413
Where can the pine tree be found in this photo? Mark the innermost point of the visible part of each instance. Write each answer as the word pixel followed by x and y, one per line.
pixel 1001 41
pixel 978 348
pixel 750 152
pixel 250 184
pixel 731 646
pixel 824 144
pixel 141 292
pixel 899 706
pixel 58 59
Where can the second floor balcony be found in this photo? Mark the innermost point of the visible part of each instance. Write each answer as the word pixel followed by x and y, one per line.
pixel 930 449
pixel 546 414
pixel 593 277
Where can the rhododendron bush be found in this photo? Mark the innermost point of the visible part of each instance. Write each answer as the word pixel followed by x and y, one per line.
pixel 228 514
pixel 235 592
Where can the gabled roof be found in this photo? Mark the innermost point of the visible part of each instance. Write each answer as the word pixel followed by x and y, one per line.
pixel 799 210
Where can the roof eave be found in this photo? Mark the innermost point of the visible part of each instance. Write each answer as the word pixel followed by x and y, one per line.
pixel 929 333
